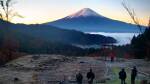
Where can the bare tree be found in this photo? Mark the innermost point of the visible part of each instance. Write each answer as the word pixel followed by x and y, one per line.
pixel 148 43
pixel 132 14
pixel 9 43
pixel 6 10
pixel 149 23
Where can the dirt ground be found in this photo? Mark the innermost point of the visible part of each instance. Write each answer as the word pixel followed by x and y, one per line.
pixel 51 69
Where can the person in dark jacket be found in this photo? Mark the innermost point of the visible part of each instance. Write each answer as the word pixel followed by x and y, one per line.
pixel 122 76
pixel 90 76
pixel 79 78
pixel 133 75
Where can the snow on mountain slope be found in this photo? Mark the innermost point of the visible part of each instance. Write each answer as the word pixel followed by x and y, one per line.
pixel 84 13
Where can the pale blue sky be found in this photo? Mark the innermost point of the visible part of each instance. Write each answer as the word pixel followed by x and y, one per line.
pixel 39 11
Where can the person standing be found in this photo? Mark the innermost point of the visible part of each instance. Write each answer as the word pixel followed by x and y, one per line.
pixel 122 76
pixel 112 56
pixel 90 76
pixel 133 75
pixel 79 78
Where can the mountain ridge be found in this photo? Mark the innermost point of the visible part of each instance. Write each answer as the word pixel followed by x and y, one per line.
pixel 93 22
pixel 54 34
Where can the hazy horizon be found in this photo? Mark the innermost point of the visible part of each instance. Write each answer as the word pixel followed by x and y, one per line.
pixel 43 11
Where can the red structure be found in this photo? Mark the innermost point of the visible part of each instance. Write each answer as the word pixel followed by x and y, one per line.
pixel 107 51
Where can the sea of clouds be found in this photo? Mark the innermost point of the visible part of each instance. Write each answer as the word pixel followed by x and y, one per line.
pixel 122 38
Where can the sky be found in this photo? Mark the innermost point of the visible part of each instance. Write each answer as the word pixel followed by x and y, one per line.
pixel 41 11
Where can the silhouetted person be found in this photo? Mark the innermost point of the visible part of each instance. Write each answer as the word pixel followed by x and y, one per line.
pixel 133 75
pixel 60 82
pixel 122 76
pixel 112 59
pixel 79 78
pixel 90 76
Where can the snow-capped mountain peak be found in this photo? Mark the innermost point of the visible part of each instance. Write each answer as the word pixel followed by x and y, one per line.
pixel 87 20
pixel 84 13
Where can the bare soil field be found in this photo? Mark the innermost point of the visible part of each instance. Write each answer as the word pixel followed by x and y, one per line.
pixel 51 69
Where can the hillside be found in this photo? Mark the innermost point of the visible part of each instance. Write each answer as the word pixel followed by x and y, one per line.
pixel 49 39
pixel 54 34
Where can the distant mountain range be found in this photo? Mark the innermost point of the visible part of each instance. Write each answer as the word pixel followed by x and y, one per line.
pixel 87 20
pixel 47 33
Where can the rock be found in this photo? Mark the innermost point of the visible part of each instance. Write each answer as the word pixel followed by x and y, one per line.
pixel 16 79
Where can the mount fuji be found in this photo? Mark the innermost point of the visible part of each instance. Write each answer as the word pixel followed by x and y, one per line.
pixel 87 20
